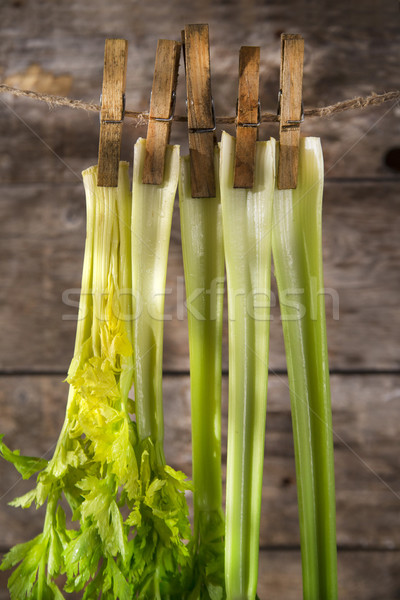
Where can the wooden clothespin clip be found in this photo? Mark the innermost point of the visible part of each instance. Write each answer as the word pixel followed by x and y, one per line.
pixel 112 111
pixel 290 109
pixel 248 116
pixel 162 106
pixel 201 116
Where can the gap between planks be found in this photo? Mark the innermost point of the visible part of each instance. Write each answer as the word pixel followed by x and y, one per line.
pixel 224 372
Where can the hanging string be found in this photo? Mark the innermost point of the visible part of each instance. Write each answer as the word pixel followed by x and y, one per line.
pixel 141 118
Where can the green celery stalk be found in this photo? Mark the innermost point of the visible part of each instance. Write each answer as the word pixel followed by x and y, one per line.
pixel 151 229
pixel 203 259
pixel 163 525
pixel 297 252
pixel 246 217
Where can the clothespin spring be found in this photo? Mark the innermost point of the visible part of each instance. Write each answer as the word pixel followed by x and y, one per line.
pixel 171 115
pixel 113 121
pixel 290 121
pixel 257 124
pixel 205 129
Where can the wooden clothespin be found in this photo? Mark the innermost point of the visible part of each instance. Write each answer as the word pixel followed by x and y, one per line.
pixel 201 116
pixel 112 111
pixel 290 108
pixel 161 109
pixel 248 116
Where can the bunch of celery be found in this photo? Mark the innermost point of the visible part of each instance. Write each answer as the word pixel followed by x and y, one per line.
pixel 94 465
pixel 297 252
pixel 106 464
pixel 109 460
pixel 203 258
pixel 246 217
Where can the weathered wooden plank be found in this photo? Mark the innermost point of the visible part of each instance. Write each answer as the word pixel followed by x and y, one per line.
pixel 41 245
pixel 366 431
pixel 362 575
pixel 38 145
pixel 356 54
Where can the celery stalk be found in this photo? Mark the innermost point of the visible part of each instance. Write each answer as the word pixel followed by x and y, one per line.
pixel 203 259
pixel 163 527
pixel 151 229
pixel 297 252
pixel 246 216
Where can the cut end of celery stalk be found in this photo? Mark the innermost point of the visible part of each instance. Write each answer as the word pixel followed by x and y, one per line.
pixel 92 171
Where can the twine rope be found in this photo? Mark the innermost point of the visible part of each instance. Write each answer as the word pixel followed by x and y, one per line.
pixel 142 118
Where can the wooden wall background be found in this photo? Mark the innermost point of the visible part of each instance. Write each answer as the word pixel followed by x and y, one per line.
pixel 351 49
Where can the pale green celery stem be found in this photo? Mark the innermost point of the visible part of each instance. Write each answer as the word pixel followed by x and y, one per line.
pixel 83 328
pixel 41 578
pixel 84 322
pixel 103 262
pixel 112 263
pixel 247 217
pixel 48 524
pixel 297 251
pixel 51 513
pixel 152 207
pixel 111 208
pixel 203 259
pixel 107 220
pixel 124 209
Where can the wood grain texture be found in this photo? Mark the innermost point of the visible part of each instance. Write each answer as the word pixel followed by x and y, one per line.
pixel 291 87
pixel 366 432
pixel 199 110
pixel 247 113
pixel 41 259
pixel 162 102
pixel 351 49
pixel 349 52
pixel 38 146
pixel 362 575
pixel 112 111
